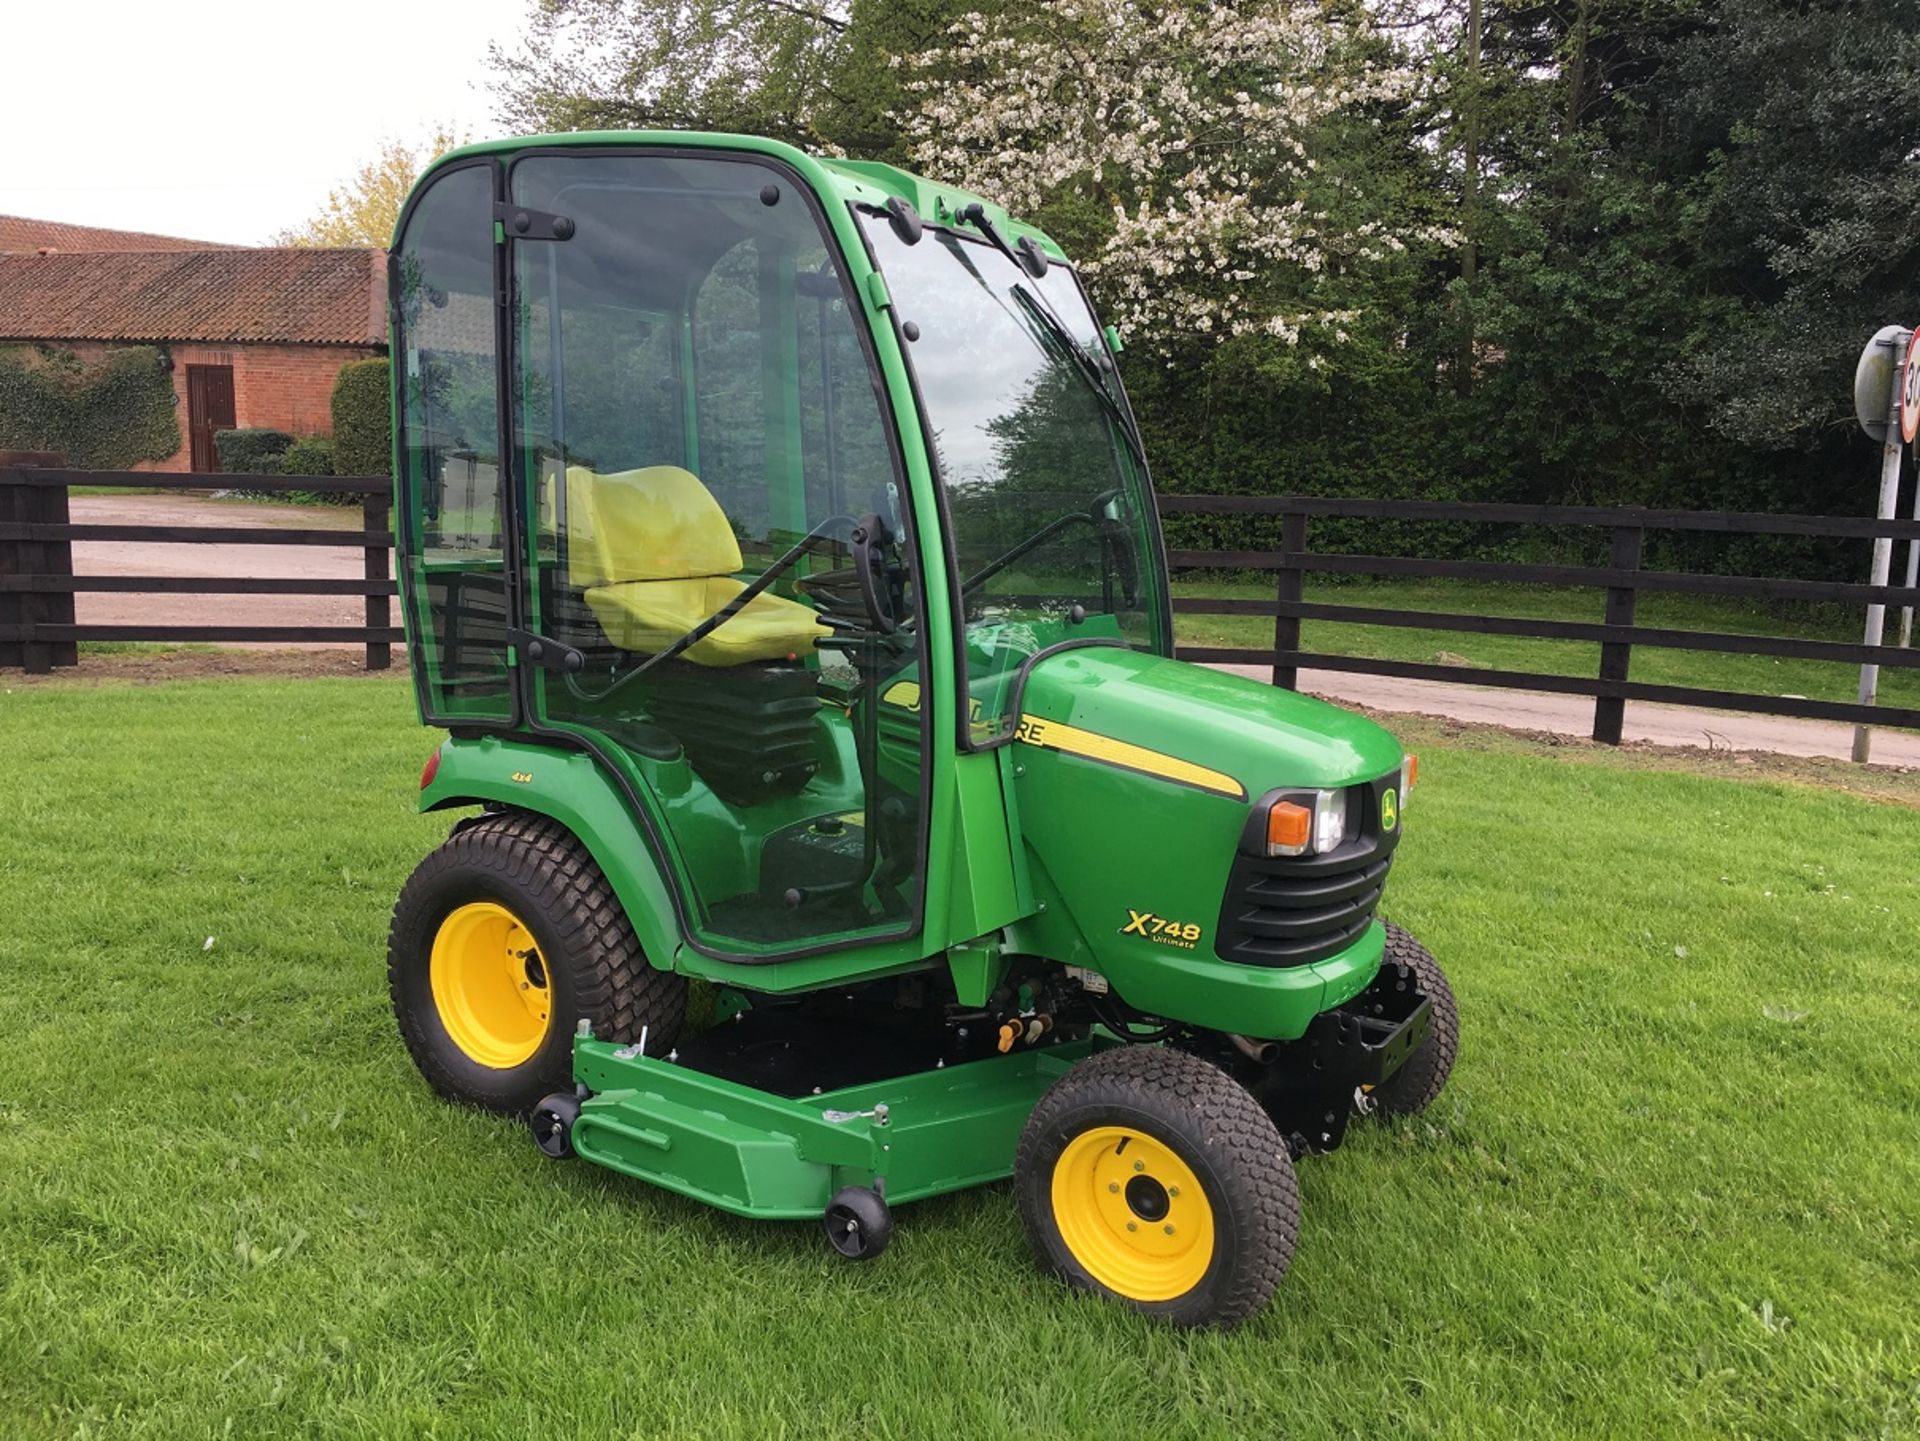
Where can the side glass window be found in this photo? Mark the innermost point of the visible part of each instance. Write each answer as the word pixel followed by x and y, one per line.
pixel 451 496
pixel 698 422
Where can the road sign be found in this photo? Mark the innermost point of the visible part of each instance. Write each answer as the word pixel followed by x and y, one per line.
pixel 1873 379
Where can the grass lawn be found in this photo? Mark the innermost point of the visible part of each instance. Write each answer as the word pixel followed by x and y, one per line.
pixel 1756 674
pixel 1673 1190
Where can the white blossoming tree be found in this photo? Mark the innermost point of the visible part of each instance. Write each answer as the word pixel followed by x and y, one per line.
pixel 1177 141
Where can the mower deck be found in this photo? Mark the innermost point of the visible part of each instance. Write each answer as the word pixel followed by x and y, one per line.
pixel 758 1154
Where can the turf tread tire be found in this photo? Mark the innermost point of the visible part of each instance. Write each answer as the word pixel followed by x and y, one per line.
pixel 1419 1082
pixel 536 867
pixel 1217 1128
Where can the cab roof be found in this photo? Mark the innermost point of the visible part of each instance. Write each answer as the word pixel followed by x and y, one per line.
pixel 861 182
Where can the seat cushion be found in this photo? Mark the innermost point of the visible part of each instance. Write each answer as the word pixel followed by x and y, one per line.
pixel 658 523
pixel 647 616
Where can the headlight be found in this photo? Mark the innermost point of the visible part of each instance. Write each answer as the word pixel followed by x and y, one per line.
pixel 1329 820
pixel 1409 773
pixel 1313 821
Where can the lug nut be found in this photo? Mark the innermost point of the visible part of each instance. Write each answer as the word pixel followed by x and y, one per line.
pixel 1167 1229
pixel 1114 1186
pixel 1139 1165
pixel 1132 1227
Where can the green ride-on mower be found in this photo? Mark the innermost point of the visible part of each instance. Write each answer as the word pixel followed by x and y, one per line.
pixel 778 550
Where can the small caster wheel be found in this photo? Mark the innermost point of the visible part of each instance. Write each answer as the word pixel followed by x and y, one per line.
pixel 859 1225
pixel 552 1123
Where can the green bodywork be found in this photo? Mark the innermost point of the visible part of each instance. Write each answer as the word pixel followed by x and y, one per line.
pixel 1031 849
pixel 1096 841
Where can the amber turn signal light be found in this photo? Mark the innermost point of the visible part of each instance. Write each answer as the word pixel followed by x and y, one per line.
pixel 1289 829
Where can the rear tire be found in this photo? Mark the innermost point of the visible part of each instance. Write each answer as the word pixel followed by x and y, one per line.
pixel 1153 1176
pixel 1419 1082
pixel 502 940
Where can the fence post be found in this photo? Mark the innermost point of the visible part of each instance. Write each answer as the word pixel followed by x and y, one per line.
pixel 1291 587
pixel 12 509
pixel 26 504
pixel 374 511
pixel 1616 657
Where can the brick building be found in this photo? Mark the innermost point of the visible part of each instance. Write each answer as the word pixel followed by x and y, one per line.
pixel 253 336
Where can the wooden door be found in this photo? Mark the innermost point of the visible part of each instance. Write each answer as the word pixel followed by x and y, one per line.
pixel 209 408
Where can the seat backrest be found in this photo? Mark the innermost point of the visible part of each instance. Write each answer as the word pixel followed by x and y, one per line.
pixel 658 523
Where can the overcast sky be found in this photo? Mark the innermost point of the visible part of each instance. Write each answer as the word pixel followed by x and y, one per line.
pixel 227 121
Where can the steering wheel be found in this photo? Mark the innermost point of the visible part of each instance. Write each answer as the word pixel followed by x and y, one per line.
pixel 868 543
pixel 838 590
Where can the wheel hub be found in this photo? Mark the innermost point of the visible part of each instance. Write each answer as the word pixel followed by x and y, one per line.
pixel 1133 1213
pixel 490 985
pixel 1147 1198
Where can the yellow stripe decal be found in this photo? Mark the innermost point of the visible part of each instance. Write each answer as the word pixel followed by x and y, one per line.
pixel 1071 740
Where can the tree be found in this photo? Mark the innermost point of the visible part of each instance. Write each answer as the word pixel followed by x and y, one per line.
pixel 362 211
pixel 815 73
pixel 1797 128
pixel 1177 142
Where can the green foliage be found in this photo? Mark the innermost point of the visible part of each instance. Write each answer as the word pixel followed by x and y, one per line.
pixel 1643 242
pixel 255 451
pixel 363 419
pixel 312 455
pixel 309 455
pixel 102 415
pixel 810 74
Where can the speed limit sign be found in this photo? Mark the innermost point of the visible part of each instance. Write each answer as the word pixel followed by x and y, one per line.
pixel 1910 391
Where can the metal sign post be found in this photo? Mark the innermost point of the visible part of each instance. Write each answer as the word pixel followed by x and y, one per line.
pixel 1886 399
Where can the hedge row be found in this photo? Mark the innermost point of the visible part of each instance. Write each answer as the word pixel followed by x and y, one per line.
pixel 362 419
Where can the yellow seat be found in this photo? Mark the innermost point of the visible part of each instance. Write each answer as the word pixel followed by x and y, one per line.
pixel 655 556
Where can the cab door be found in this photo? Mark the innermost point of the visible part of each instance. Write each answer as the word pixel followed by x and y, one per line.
pixel 706 469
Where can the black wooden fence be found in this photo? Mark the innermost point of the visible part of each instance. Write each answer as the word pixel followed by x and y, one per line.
pixel 37 587
pixel 1623 580
pixel 38 584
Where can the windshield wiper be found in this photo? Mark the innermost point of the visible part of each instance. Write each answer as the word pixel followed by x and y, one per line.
pixel 1083 362
pixel 1042 313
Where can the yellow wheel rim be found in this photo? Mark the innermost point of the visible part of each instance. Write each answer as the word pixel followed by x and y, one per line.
pixel 490 985
pixel 1133 1214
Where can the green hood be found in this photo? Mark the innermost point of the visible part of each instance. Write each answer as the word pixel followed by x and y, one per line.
pixel 1259 734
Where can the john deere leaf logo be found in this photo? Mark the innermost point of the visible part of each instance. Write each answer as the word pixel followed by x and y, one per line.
pixel 1389 810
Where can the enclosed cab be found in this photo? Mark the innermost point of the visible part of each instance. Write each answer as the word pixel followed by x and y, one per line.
pixel 779 552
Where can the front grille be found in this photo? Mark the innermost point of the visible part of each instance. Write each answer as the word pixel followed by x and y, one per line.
pixel 1295 910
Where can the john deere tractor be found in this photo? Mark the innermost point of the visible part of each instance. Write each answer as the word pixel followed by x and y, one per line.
pixel 778 551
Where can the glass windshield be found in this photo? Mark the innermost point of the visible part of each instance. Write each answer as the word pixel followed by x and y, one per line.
pixel 1047 501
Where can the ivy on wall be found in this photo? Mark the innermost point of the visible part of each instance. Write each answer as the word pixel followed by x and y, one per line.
pixel 102 415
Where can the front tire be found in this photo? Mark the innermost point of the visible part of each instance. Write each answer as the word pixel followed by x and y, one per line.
pixel 502 940
pixel 1151 1175
pixel 1419 1082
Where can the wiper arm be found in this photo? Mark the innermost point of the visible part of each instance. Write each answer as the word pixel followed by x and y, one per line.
pixel 1048 319
pixel 1088 367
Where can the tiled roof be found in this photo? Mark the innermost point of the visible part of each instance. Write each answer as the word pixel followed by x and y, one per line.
pixel 20 235
pixel 290 294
